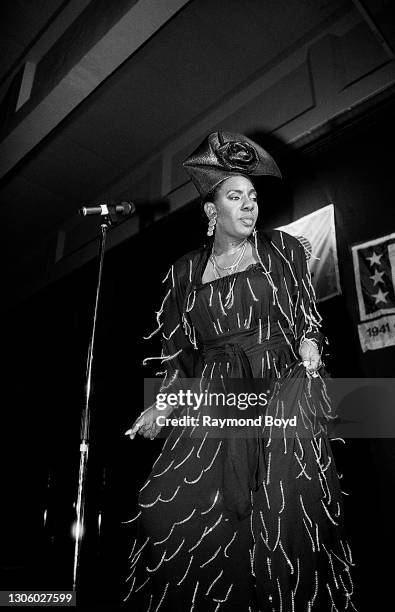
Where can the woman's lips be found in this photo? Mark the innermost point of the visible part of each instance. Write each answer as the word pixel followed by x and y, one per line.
pixel 247 221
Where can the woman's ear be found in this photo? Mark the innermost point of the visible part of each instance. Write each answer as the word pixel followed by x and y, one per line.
pixel 209 209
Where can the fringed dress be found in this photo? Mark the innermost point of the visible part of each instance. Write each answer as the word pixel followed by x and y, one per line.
pixel 228 521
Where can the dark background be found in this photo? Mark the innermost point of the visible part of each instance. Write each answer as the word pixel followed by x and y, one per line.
pixel 45 342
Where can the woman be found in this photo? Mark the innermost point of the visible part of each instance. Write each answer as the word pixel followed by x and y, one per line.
pixel 241 518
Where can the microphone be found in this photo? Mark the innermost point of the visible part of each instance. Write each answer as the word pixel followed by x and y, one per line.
pixel 122 208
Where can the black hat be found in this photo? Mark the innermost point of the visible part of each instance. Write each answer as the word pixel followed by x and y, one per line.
pixel 224 154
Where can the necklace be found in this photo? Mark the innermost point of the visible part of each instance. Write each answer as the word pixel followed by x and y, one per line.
pixel 242 246
pixel 230 269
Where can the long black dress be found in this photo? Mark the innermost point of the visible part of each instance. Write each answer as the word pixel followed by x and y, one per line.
pixel 250 523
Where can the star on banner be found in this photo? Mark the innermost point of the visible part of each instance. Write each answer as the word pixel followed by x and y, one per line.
pixel 377 277
pixel 374 269
pixel 380 296
pixel 375 259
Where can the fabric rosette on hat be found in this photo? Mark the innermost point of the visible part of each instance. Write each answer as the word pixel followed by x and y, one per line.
pixel 225 154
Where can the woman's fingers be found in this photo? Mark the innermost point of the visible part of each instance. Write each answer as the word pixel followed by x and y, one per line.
pixel 135 428
pixel 311 357
pixel 313 364
pixel 145 426
pixel 153 431
pixel 315 361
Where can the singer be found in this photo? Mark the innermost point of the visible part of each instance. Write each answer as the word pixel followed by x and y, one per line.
pixel 237 523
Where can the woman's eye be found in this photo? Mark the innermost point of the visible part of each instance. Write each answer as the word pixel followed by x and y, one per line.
pixel 236 196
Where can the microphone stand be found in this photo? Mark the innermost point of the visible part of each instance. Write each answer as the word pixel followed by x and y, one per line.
pixel 79 525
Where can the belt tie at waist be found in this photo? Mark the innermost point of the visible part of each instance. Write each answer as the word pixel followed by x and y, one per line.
pixel 244 466
pixel 234 353
pixel 232 348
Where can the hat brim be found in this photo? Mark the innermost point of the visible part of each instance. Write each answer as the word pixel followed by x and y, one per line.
pixel 223 155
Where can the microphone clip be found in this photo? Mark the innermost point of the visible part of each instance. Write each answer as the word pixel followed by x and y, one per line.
pixel 110 214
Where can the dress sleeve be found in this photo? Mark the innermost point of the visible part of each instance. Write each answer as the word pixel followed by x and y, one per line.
pixel 308 321
pixel 179 356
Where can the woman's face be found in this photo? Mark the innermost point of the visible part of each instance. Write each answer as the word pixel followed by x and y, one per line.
pixel 236 207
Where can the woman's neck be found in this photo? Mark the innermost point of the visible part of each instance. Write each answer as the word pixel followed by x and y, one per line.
pixel 226 244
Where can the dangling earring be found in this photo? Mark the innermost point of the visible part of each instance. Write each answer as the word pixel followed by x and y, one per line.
pixel 211 224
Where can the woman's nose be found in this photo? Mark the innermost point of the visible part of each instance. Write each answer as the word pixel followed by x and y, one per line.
pixel 248 203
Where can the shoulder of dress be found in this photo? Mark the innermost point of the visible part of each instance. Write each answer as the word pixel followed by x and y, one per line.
pixel 190 256
pixel 282 240
pixel 186 264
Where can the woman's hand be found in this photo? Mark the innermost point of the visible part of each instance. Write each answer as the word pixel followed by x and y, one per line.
pixel 146 424
pixel 310 356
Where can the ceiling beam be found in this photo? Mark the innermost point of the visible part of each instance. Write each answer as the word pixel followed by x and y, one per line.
pixel 123 39
pixel 361 8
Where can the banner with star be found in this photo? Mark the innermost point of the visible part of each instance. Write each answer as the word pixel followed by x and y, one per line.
pixel 317 233
pixel 374 269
